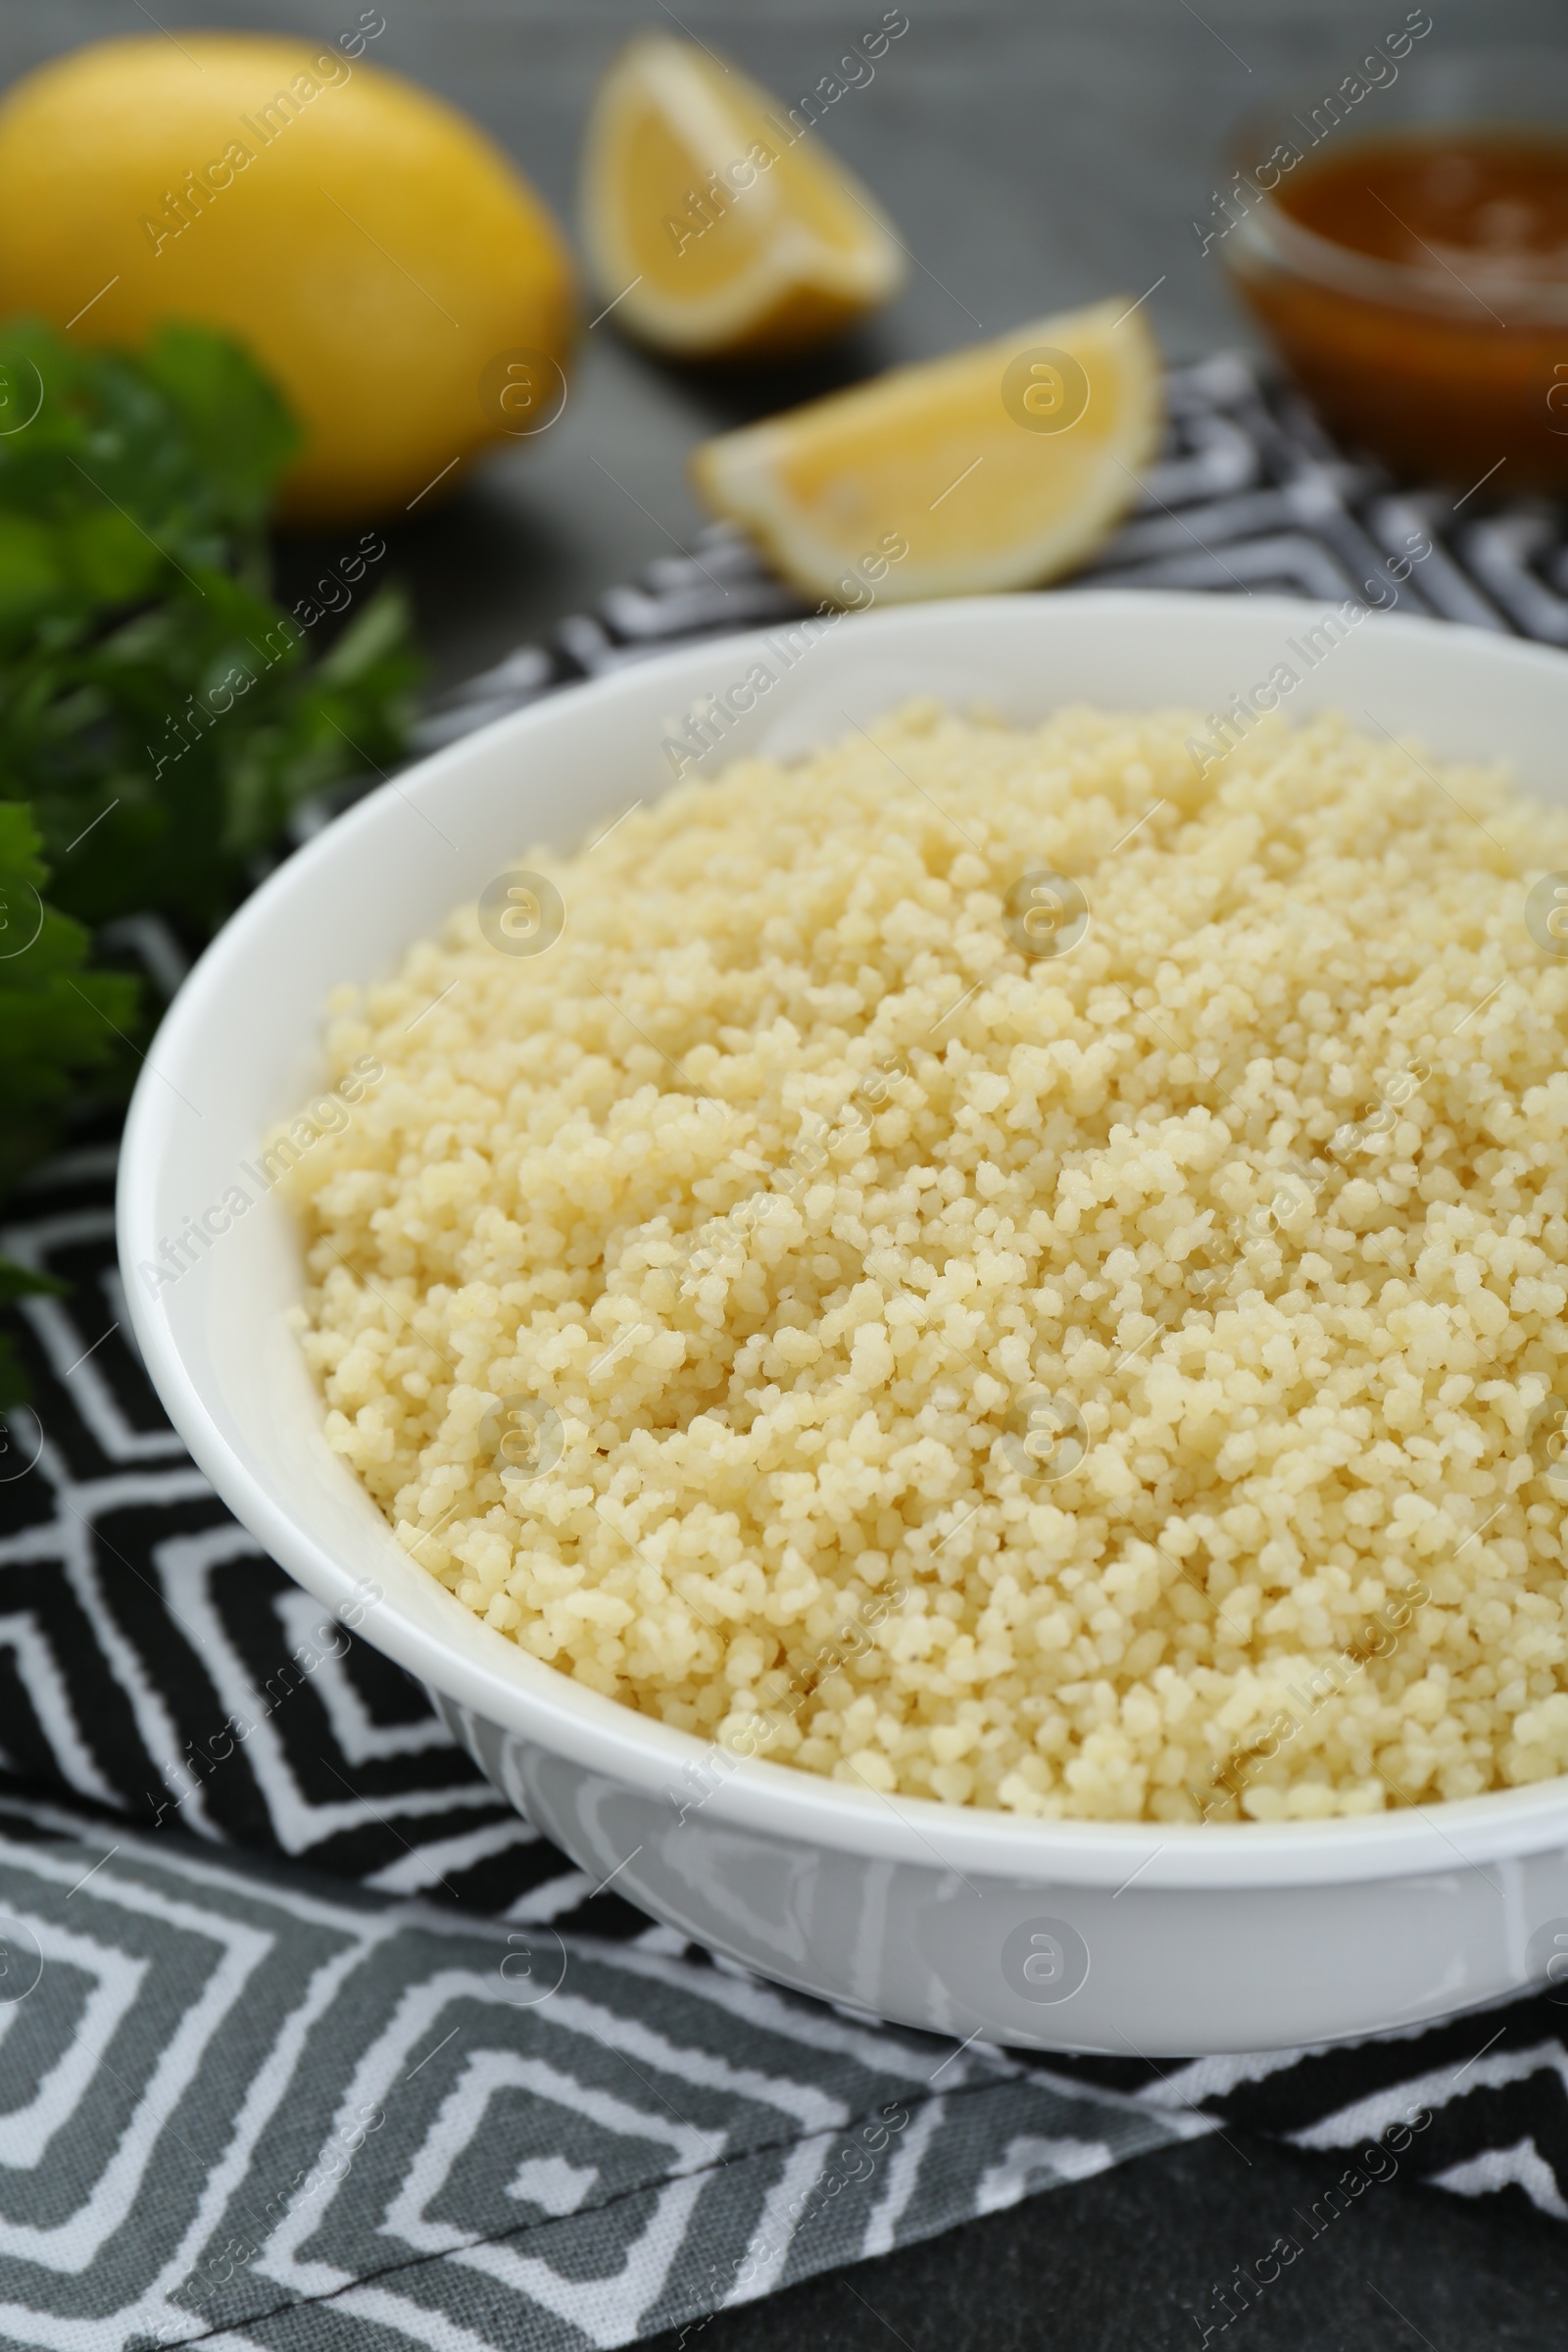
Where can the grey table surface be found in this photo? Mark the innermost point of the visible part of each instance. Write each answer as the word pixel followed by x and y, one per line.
pixel 1034 154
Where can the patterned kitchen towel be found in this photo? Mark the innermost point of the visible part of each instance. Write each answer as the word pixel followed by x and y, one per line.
pixel 307 2038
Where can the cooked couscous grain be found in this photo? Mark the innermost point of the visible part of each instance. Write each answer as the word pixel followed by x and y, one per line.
pixel 1115 1382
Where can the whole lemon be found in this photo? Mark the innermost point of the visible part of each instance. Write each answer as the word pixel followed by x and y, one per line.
pixel 385 264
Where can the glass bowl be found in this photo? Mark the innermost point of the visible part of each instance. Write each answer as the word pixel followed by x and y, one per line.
pixel 1446 351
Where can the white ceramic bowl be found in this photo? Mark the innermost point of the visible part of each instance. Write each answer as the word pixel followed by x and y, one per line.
pixel 1082 1936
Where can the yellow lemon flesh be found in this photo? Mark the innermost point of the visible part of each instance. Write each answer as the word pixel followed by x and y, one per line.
pixel 383 261
pixel 715 223
pixel 1000 467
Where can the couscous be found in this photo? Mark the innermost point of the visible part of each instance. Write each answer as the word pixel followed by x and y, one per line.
pixel 1017 1266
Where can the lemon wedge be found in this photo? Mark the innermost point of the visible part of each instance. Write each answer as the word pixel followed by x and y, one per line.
pixel 714 222
pixel 999 467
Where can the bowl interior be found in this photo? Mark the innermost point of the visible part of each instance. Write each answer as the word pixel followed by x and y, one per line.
pixel 240 1049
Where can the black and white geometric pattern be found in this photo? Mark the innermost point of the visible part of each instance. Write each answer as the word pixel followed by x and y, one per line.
pixel 236 2091
pixel 297 2017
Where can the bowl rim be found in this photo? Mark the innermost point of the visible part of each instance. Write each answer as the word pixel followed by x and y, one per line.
pixel 520 1694
pixel 1514 92
pixel 1271 238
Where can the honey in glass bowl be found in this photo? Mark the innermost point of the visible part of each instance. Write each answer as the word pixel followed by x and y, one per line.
pixel 1416 283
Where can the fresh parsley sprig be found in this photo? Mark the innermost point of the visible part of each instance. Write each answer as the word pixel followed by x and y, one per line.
pixel 160 711
pixel 161 714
